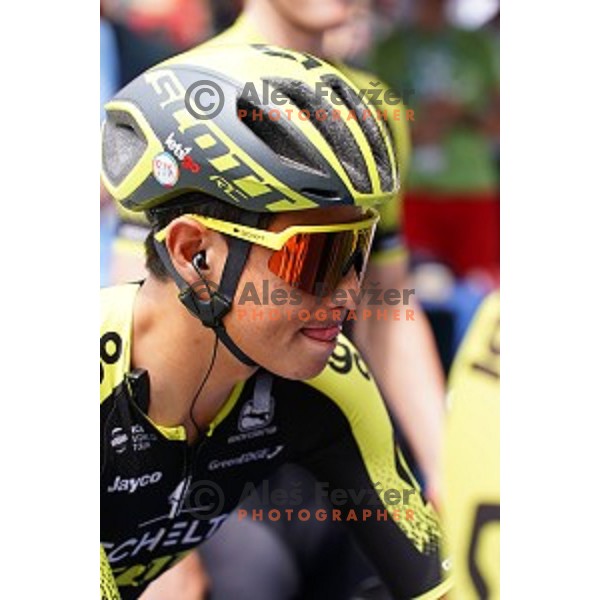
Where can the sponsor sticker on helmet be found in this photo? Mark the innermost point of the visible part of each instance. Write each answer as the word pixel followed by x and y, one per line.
pixel 182 153
pixel 165 169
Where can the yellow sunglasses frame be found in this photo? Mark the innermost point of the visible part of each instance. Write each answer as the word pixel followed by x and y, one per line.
pixel 275 240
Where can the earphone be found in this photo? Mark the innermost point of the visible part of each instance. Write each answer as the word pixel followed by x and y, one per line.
pixel 208 311
pixel 199 262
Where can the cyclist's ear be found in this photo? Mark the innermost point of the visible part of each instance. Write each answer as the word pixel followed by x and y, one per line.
pixel 187 239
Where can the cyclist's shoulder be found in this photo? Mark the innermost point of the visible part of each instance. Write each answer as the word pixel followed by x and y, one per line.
pixel 343 398
pixel 359 77
pixel 478 359
pixel 486 320
pixel 472 452
pixel 241 32
pixel 387 101
pixel 116 293
pixel 488 313
pixel 346 380
pixel 116 306
pixel 116 315
pixel 380 92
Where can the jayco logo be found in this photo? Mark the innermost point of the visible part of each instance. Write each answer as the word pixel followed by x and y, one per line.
pixel 120 484
pixel 177 148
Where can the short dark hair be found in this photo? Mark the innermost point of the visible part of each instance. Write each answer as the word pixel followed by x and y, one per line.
pixel 192 202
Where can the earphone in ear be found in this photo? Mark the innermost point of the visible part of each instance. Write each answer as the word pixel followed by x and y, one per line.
pixel 199 262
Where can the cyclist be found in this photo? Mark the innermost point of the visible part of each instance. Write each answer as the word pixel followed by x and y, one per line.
pixel 197 400
pixel 472 458
pixel 401 353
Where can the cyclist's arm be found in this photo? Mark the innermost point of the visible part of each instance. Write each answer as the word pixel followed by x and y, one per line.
pixel 404 360
pixel 108 585
pixel 402 353
pixel 362 459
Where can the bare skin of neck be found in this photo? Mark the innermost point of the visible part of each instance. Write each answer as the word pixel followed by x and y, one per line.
pixel 280 31
pixel 176 350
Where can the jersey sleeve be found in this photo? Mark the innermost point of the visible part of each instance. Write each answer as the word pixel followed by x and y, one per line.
pixel 108 585
pixel 116 310
pixel 380 499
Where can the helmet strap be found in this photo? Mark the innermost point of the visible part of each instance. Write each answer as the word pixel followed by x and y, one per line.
pixel 212 311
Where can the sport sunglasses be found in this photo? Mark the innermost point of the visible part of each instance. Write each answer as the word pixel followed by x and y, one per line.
pixel 312 258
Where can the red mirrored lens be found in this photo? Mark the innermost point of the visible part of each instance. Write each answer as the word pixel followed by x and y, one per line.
pixel 317 262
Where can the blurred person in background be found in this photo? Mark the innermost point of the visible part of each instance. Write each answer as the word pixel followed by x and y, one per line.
pixel 144 33
pixel 147 32
pixel 351 41
pixel 472 458
pixel 109 84
pixel 452 200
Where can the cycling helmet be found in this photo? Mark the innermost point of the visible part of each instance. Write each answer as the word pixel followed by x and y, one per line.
pixel 260 127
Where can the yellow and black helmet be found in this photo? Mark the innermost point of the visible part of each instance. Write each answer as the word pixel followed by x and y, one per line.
pixel 260 127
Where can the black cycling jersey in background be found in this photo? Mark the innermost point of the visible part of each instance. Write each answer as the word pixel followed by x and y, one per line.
pixel 161 497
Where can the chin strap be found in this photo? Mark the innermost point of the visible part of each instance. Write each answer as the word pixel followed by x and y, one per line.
pixel 212 311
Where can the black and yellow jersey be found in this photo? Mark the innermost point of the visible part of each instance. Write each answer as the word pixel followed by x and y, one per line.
pixel 161 497
pixel 472 458
pixel 387 245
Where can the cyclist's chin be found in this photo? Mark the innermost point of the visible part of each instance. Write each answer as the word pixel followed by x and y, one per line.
pixel 316 16
pixel 291 349
pixel 301 372
pixel 302 359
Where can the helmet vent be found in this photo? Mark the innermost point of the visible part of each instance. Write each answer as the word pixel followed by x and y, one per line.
pixel 321 194
pixel 335 131
pixel 270 132
pixel 122 146
pixel 369 128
